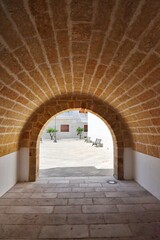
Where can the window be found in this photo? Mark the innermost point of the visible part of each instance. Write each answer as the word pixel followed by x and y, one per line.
pixel 85 128
pixel 65 128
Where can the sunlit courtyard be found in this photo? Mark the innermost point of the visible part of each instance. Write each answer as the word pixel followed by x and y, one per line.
pixel 74 157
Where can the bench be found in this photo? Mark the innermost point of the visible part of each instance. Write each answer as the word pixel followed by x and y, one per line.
pixel 98 143
pixel 88 140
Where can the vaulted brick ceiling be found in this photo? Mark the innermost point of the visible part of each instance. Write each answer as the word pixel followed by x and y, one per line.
pixel 109 49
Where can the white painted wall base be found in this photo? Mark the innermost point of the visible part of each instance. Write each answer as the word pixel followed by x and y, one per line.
pixel 143 168
pixel 23 164
pixel 8 172
pixel 147 172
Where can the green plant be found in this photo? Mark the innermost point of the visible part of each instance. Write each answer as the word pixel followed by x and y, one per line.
pixel 52 133
pixel 79 131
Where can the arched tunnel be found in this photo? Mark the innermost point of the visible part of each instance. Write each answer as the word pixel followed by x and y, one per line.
pixel 99 55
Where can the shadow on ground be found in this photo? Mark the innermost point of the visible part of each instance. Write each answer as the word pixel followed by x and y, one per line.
pixel 74 172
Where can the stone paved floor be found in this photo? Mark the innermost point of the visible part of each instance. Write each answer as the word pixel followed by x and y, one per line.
pixel 79 208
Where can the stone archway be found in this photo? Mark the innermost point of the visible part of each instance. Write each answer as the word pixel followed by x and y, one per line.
pixel 120 133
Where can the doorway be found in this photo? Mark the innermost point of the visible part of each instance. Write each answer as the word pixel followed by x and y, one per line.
pixel 73 155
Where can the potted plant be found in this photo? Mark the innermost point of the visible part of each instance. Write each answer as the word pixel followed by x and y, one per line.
pixel 79 132
pixel 52 133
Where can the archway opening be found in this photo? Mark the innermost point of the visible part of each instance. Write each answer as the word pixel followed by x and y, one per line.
pixel 121 135
pixel 66 152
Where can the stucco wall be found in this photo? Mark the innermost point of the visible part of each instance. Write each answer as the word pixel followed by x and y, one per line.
pixel 9 170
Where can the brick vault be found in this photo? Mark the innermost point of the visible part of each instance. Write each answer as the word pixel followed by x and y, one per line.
pixel 68 51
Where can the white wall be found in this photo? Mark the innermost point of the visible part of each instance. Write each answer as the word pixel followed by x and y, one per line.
pixel 8 172
pixel 143 168
pixel 147 172
pixel 13 167
pixel 98 129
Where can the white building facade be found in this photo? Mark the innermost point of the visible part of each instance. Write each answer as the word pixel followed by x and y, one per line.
pixel 98 129
pixel 66 124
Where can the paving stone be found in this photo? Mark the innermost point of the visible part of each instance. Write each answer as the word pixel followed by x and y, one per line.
pixel 110 230
pixel 36 184
pixel 17 195
pixel 83 189
pixel 44 195
pixel 66 185
pixel 51 178
pixel 23 184
pixel 16 190
pixel 105 189
pixel 56 190
pixel 95 194
pixel 28 209
pixel 61 185
pixel 130 208
pixel 98 208
pixel 66 231
pixel 138 193
pixel 85 218
pixel 128 183
pixel 33 190
pixel 117 194
pixel 130 188
pixel 3 209
pixel 96 181
pixel 146 199
pixel 33 201
pixel 76 178
pixel 77 181
pixel 67 209
pixel 31 218
pixel 107 185
pixel 28 189
pixel 90 185
pixel 70 195
pixel 79 201
pixel 99 178
pixel 132 217
pixel 44 180
pixel 16 231
pixel 145 229
pixel 107 201
pixel 58 181
pixel 151 207
pixel 120 218
pixel 6 202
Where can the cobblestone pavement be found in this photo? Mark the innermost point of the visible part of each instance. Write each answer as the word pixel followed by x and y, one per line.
pixel 79 208
pixel 74 157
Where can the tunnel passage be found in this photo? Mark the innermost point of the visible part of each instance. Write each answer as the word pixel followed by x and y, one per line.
pixel 106 49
